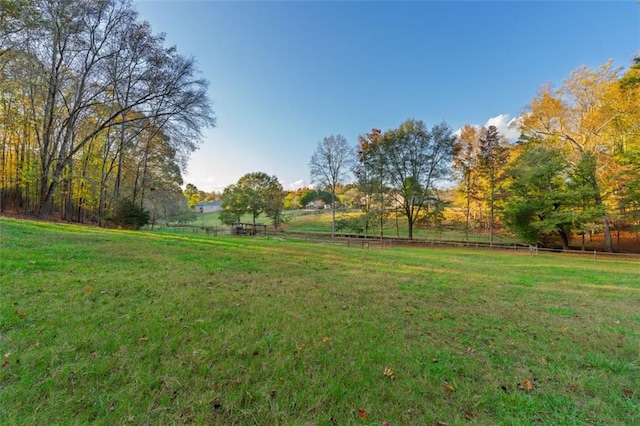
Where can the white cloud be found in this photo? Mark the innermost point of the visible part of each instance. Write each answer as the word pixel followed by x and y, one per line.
pixel 509 128
pixel 292 186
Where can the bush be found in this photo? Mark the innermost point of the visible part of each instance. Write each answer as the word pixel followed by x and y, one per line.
pixel 129 215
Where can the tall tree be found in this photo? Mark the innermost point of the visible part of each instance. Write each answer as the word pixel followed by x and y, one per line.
pixel 546 196
pixel 330 166
pixel 466 159
pixel 494 154
pixel 369 172
pixel 576 117
pixel 274 202
pixel 415 159
pixel 95 67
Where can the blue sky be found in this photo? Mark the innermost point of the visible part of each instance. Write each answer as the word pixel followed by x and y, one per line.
pixel 283 75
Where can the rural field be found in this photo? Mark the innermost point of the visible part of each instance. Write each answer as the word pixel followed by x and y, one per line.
pixel 120 327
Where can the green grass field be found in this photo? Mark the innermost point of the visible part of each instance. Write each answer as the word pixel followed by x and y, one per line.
pixel 116 327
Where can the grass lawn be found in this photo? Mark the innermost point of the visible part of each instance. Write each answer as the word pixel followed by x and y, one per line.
pixel 115 327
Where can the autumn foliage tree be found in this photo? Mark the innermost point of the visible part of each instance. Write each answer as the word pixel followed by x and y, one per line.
pixel 97 108
pixel 466 162
pixel 578 118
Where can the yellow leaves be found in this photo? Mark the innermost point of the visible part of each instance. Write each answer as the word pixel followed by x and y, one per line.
pixel 325 339
pixel 578 113
pixel 447 387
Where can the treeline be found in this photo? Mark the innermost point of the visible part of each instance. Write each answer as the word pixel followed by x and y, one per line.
pixel 574 170
pixel 94 110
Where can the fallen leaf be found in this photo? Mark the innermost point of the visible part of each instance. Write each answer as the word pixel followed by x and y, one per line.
pixel 527 385
pixel 544 361
pixel 144 338
pixel 572 387
pixel 363 414
pixel 468 414
pixel 5 364
pixel 8 354
pixel 88 290
pixel 448 387
pixel 386 423
pixel 387 372
pixel 325 339
pixel 627 393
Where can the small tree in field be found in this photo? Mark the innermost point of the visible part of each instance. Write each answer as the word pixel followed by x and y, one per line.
pixel 254 193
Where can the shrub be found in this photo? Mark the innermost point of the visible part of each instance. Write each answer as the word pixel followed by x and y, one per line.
pixel 129 215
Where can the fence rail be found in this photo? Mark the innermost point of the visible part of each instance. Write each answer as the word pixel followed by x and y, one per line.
pixel 359 241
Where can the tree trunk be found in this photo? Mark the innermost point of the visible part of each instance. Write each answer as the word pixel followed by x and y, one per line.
pixel 608 243
pixel 333 213
pixel 491 215
pixel 565 239
pixel 468 212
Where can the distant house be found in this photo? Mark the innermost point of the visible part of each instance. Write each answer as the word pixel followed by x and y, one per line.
pixel 208 206
pixel 316 205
